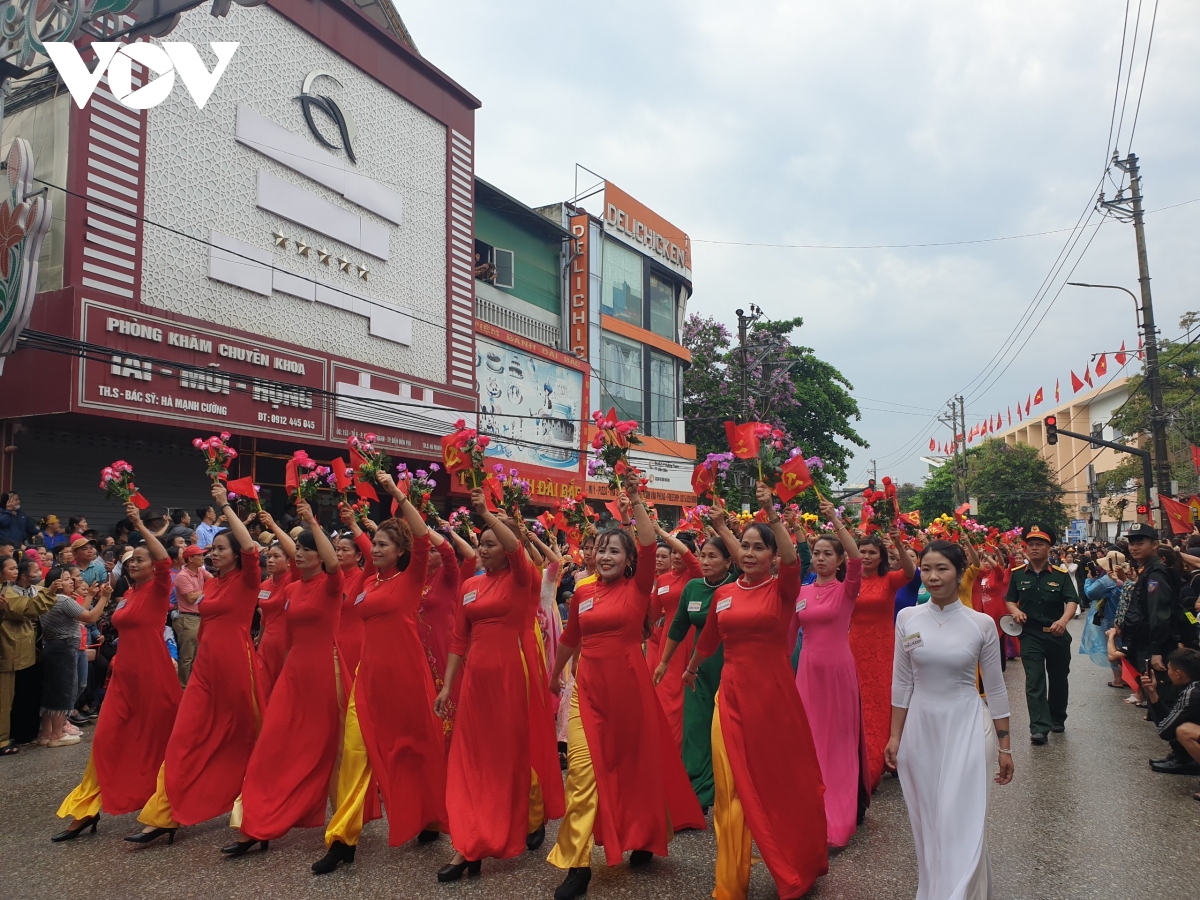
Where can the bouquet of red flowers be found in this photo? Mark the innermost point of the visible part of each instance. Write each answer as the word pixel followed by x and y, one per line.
pixel 373 461
pixel 612 442
pixel 465 451
pixel 117 482
pixel 218 453
pixel 578 513
pixel 362 511
pixel 419 486
pixel 514 490
pixel 880 508
pixel 461 524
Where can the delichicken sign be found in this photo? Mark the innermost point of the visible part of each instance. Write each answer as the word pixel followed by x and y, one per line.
pixel 645 230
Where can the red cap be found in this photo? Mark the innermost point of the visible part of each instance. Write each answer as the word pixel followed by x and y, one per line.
pixel 193 550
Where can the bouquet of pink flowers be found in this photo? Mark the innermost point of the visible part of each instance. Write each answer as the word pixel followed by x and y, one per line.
pixel 117 482
pixel 373 461
pixel 419 486
pixel 460 523
pixel 218 454
pixel 611 444
pixel 514 490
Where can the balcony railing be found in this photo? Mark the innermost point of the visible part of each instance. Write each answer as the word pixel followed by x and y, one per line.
pixel 517 323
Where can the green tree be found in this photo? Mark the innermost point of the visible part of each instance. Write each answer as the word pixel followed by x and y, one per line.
pixel 1179 374
pixel 1014 485
pixel 790 387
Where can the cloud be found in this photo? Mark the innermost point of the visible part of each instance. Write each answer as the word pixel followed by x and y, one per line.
pixel 856 123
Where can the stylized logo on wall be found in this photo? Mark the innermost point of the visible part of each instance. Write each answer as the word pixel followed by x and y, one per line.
pixel 164 60
pixel 24 221
pixel 347 130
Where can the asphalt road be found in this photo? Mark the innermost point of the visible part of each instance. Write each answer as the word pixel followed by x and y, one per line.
pixel 1084 818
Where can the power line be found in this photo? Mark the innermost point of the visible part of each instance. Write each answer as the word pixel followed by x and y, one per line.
pixel 1145 67
pixel 1108 142
pixel 1137 22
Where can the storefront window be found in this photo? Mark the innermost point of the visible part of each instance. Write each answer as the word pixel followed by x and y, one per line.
pixel 662 307
pixel 621 375
pixel 662 396
pixel 622 292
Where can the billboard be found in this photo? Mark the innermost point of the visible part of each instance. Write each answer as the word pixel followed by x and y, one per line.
pixel 530 404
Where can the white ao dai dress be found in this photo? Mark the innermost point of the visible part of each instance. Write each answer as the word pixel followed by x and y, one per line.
pixel 947 755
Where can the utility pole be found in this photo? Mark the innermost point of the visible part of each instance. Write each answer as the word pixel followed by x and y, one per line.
pixel 1130 210
pixel 951 419
pixel 744 323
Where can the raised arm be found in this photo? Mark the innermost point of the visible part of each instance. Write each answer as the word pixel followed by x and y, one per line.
pixel 324 548
pixel 721 526
pixel 465 550
pixel 849 544
pixel 906 563
pixel 503 533
pixel 285 539
pixel 412 516
pixel 674 543
pixel 241 535
pixel 157 551
pixel 646 536
pixel 783 540
pixel 971 553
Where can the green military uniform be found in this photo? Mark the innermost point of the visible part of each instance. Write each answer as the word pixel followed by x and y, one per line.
pixel 1043 597
pixel 18 615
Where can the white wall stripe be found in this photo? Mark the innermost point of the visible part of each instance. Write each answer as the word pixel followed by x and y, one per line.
pixel 108 273
pixel 112 142
pixel 105 198
pixel 116 129
pixel 102 153
pixel 111 288
pixel 108 258
pixel 109 170
pixel 112 185
pixel 116 217
pixel 116 112
pixel 111 245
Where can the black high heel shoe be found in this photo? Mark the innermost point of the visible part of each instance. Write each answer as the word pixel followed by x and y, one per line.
pixel 71 833
pixel 241 848
pixel 145 837
pixel 428 836
pixel 640 858
pixel 454 871
pixel 535 839
pixel 337 854
pixel 576 884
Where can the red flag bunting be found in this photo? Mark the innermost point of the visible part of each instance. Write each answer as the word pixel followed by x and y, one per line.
pixel 1121 356
pixel 1087 376
pixel 1076 384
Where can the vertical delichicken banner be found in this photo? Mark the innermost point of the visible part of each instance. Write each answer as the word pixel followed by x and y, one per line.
pixel 579 290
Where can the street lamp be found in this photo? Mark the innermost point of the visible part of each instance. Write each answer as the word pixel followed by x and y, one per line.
pixel 1112 287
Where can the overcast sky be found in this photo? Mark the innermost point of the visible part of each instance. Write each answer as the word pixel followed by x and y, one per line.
pixel 860 123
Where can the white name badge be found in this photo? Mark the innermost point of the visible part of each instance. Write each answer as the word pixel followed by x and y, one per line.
pixel 469 597
pixel 360 598
pixel 286 605
pixel 911 642
pixel 120 605
pixel 664 588
pixel 586 605
pixel 694 606
pixel 723 605
pixel 800 604
pixel 264 595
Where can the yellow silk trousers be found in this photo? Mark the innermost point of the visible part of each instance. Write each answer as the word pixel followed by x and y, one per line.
pixel 353 782
pixel 573 849
pixel 733 835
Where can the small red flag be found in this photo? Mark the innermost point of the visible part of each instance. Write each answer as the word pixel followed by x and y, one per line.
pixel 742 439
pixel 1196 457
pixel 796 478
pixel 1179 514
pixel 1121 356
pixel 703 478
pixel 243 487
pixel 344 481
pixel 364 490
pixel 1140 348
pixel 1037 400
pixel 493 494
pixel 1087 376
pixel 932 444
pixel 291 477
pixel 1057 392
pixel 1102 365
pixel 453 458
pixel 614 507
pixel 1076 384
pixel 139 501
pixel 1010 414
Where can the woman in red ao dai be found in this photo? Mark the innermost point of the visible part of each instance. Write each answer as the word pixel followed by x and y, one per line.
pixel 767 778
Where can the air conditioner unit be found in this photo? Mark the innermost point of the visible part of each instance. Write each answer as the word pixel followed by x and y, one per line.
pixel 1086 508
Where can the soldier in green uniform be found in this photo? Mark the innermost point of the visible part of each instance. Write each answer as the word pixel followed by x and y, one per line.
pixel 1042 598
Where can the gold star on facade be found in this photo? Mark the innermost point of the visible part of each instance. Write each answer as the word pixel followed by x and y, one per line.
pixel 362 272
pixel 323 256
pixel 281 240
pixel 302 248
pixel 343 264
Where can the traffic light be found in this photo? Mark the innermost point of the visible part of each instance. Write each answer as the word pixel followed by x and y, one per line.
pixel 1051 429
pixel 1143 509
